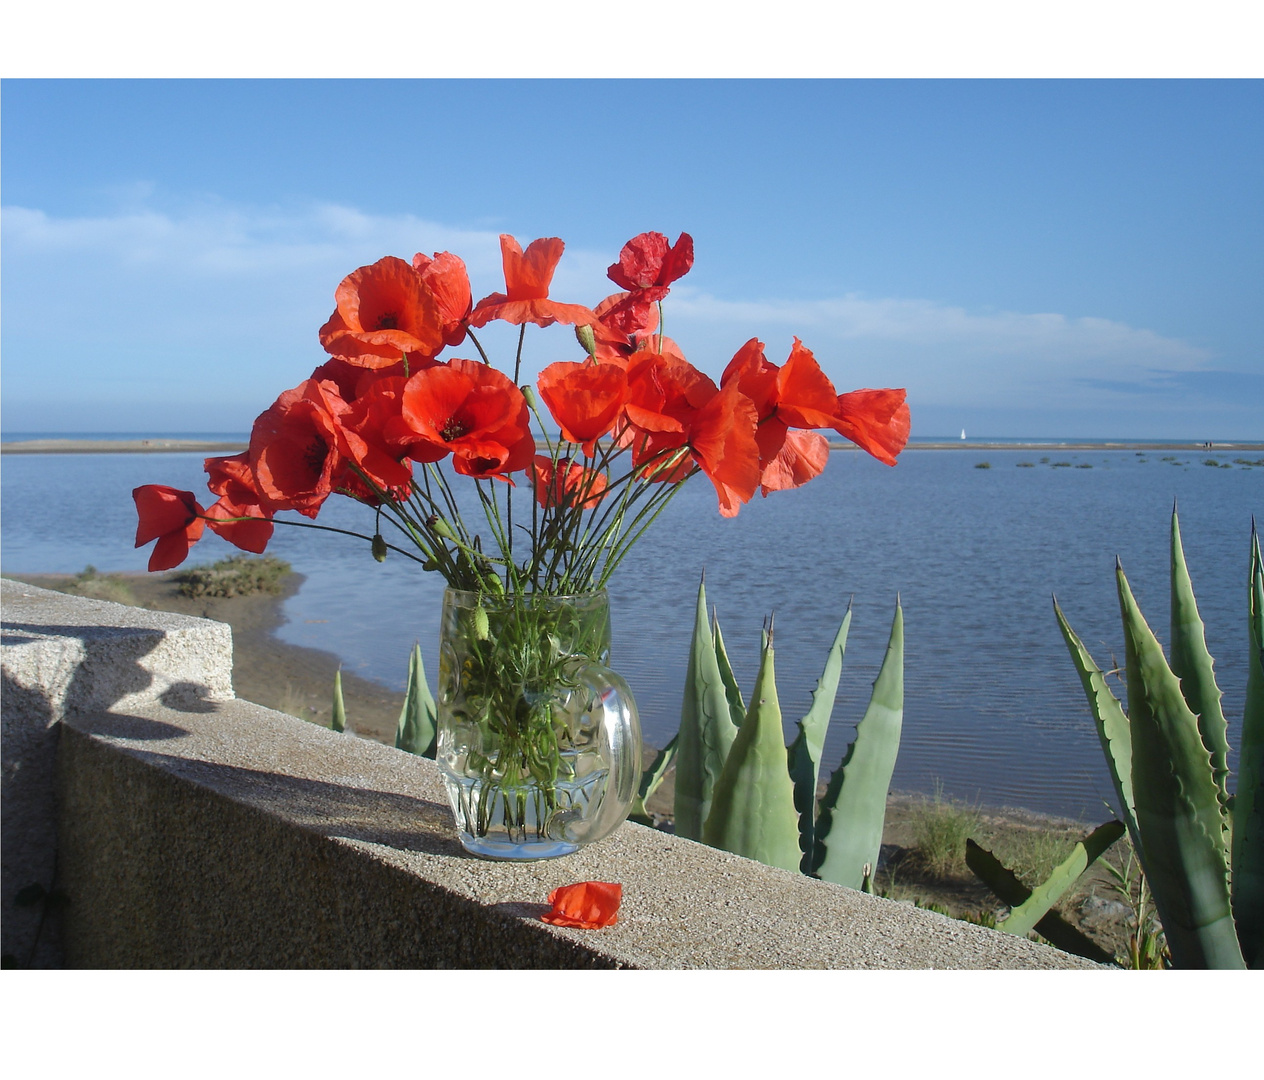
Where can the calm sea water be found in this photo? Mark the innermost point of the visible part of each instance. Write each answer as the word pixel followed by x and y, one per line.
pixel 993 709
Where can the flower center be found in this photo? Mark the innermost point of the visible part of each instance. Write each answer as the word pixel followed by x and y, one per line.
pixel 388 320
pixel 315 454
pixel 453 429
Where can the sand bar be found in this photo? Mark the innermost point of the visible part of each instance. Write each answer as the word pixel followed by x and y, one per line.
pixel 120 446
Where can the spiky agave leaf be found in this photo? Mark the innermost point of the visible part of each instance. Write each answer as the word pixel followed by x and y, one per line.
pixel 804 756
pixel 1193 666
pixel 338 722
pixel 1026 915
pixel 1248 814
pixel 651 778
pixel 706 728
pixel 849 830
pixel 1051 926
pixel 752 807
pixel 1177 805
pixel 737 707
pixel 418 727
pixel 1111 721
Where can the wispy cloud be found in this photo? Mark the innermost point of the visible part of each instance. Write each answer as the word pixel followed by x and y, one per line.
pixel 242 289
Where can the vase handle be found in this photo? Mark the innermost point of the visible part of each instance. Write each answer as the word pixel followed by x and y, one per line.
pixel 620 737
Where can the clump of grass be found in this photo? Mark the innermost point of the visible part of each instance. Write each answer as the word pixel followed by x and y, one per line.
pixel 1033 854
pixel 1212 462
pixel 1167 459
pixel 237 575
pixel 1061 464
pixel 1025 465
pixel 98 586
pixel 1044 461
pixel 940 829
pixel 982 464
pixel 1084 465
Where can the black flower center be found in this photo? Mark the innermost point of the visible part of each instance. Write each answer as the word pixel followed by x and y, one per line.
pixel 388 320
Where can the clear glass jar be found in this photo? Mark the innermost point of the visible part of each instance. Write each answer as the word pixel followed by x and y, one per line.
pixel 539 741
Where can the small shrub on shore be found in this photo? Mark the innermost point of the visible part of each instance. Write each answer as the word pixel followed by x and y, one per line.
pixel 940 829
pixel 237 575
pixel 983 465
pixel 97 586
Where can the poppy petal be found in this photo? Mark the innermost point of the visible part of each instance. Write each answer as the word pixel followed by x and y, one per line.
pixel 588 905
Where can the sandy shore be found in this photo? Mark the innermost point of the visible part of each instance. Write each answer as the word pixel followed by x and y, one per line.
pixel 169 446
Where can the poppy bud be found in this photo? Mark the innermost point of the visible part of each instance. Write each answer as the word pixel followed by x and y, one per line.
pixel 528 395
pixel 494 584
pixel 430 564
pixel 585 336
pixel 481 628
pixel 440 527
pixel 379 547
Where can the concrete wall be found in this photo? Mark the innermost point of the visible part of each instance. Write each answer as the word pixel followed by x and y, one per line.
pixel 191 829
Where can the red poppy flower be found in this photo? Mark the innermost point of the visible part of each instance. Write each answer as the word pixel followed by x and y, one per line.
pixel 170 516
pixel 672 404
pixel 585 399
pixel 875 420
pixel 647 262
pixel 232 480
pixel 445 276
pixel 385 311
pixel 527 278
pixel 588 905
pixel 294 448
pixel 567 484
pixel 474 412
pixel 796 395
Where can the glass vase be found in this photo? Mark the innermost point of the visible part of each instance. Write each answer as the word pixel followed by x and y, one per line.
pixel 539 741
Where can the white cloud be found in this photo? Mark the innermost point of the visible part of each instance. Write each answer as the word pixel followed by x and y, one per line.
pixel 244 288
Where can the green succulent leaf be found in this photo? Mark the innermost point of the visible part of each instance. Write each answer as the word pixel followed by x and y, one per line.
pixel 1177 804
pixel 706 728
pixel 651 778
pixel 805 752
pixel 1113 730
pixel 418 728
pixel 1009 890
pixel 1248 815
pixel 752 808
pixel 737 707
pixel 338 722
pixel 1026 915
pixel 1193 666
pixel 849 829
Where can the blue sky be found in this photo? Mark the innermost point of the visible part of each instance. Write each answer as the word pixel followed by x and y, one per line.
pixel 1028 258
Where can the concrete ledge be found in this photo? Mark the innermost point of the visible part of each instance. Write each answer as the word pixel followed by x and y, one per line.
pixel 68 656
pixel 212 832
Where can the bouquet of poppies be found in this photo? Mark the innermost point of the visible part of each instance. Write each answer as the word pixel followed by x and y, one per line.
pixel 632 420
pixel 537 739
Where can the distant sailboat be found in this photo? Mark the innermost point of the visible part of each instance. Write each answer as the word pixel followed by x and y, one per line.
pixel 963 433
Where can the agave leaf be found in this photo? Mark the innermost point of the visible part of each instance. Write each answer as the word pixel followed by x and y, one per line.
pixel 1192 664
pixel 1248 815
pixel 418 727
pixel 1024 917
pixel 752 807
pixel 706 729
pixel 849 830
pixel 1177 805
pixel 651 778
pixel 737 707
pixel 1052 927
pixel 1113 730
pixel 338 722
pixel 805 752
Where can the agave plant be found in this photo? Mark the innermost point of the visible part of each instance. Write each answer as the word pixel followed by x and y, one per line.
pixel 1201 849
pixel 740 788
